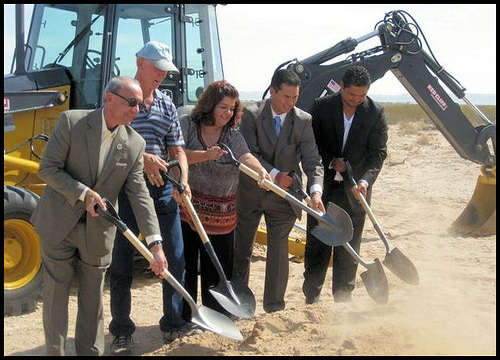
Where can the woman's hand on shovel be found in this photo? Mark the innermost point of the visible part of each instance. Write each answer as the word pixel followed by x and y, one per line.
pixel 160 263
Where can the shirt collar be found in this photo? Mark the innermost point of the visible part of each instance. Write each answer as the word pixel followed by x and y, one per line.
pixel 104 131
pixel 282 116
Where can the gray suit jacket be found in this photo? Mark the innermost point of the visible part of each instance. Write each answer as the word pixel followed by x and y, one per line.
pixel 296 145
pixel 70 162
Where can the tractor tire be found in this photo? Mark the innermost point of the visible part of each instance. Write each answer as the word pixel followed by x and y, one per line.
pixel 23 275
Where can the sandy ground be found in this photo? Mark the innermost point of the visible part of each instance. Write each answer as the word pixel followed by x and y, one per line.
pixel 422 189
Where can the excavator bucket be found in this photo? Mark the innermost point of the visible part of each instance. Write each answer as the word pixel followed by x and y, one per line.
pixel 479 216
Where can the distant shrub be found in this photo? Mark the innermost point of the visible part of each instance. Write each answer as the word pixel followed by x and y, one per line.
pixel 407 113
pixel 396 112
pixel 490 111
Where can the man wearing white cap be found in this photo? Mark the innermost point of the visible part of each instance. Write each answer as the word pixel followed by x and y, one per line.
pixel 159 54
pixel 159 125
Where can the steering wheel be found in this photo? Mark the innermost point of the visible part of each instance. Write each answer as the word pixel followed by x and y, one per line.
pixel 96 61
pixel 53 65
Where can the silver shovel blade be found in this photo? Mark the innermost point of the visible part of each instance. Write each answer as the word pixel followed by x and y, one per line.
pixel 401 266
pixel 375 282
pixel 334 227
pixel 215 321
pixel 237 300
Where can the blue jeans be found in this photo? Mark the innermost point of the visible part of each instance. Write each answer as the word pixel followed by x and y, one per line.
pixel 121 269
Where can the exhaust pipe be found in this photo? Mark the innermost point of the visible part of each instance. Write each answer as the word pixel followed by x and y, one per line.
pixel 19 54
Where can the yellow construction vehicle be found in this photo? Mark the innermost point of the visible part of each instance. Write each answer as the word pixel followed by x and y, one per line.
pixel 72 50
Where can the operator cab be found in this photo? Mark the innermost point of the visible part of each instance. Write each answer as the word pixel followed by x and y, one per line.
pixel 95 42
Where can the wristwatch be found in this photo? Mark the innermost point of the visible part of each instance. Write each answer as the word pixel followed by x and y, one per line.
pixel 154 243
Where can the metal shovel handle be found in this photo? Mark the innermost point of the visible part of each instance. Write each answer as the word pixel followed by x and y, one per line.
pixel 366 207
pixel 112 216
pixel 196 219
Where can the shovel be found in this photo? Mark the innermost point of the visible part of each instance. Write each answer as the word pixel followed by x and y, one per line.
pixel 331 232
pixel 202 316
pixel 234 295
pixel 334 227
pixel 374 277
pixel 395 260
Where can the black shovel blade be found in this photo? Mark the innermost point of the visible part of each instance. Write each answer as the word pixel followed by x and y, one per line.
pixel 401 266
pixel 235 297
pixel 333 235
pixel 376 283
pixel 215 321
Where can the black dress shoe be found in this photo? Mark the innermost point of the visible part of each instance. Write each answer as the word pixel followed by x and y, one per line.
pixel 121 345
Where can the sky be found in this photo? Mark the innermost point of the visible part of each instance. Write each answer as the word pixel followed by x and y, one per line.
pixel 257 38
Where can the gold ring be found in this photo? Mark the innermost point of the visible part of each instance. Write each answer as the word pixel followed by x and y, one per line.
pixel 152 175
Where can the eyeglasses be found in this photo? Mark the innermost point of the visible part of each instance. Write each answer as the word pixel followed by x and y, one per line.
pixel 130 102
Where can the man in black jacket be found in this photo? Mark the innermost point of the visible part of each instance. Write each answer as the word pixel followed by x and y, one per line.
pixel 347 126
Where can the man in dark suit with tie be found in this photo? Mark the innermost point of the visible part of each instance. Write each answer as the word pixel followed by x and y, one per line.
pixel 280 135
pixel 347 126
pixel 91 155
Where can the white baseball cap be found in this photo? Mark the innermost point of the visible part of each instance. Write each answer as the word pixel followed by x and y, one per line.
pixel 159 54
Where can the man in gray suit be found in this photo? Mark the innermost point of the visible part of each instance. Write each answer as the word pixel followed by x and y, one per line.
pixel 280 135
pixel 91 155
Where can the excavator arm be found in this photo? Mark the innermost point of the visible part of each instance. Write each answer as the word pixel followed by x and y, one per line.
pixel 402 52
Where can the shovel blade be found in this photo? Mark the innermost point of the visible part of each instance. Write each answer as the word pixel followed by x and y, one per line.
pixel 334 227
pixel 375 282
pixel 401 266
pixel 235 297
pixel 214 321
